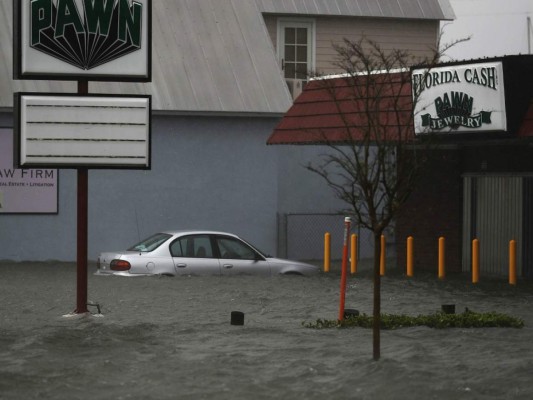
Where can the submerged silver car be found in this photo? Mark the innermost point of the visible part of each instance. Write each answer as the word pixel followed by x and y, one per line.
pixel 196 253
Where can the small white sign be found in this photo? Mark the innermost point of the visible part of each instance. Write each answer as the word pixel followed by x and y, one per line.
pixel 91 130
pixel 75 39
pixel 25 190
pixel 459 99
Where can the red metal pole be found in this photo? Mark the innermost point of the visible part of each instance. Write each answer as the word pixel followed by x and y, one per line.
pixel 81 298
pixel 82 228
pixel 347 222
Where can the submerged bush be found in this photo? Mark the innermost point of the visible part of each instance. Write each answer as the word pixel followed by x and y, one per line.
pixel 468 319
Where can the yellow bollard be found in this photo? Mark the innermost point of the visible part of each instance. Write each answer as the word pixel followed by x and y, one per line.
pixel 353 254
pixel 442 257
pixel 475 261
pixel 512 262
pixel 382 258
pixel 327 251
pixel 410 256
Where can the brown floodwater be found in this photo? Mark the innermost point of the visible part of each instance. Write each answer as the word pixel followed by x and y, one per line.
pixel 171 338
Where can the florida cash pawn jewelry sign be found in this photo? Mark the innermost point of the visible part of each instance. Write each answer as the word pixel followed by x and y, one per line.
pixel 459 99
pixel 83 39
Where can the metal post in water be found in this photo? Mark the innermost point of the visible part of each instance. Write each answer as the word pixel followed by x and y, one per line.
pixel 347 222
pixel 327 251
pixel 382 257
pixel 442 257
pixel 353 254
pixel 512 262
pixel 82 228
pixel 475 261
pixel 410 256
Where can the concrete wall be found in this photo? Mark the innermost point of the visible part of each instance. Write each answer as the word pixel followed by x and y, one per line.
pixel 207 173
pixel 300 190
pixel 434 209
pixel 307 208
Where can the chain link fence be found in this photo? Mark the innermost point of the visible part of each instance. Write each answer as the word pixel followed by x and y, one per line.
pixel 301 237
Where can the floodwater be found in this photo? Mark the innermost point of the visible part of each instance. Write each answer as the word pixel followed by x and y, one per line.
pixel 171 338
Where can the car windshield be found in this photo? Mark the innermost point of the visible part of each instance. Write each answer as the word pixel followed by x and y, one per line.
pixel 152 243
pixel 264 254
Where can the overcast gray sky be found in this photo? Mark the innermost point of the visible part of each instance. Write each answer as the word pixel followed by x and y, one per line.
pixel 497 27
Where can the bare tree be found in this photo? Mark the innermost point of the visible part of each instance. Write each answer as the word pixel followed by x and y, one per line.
pixel 374 157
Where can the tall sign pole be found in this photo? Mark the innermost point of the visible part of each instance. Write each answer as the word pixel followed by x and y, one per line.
pixel 105 40
pixel 82 227
pixel 529 35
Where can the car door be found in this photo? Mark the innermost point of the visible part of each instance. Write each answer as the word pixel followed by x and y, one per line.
pixel 194 255
pixel 237 257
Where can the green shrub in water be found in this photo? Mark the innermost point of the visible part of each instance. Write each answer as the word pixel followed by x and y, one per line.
pixel 468 319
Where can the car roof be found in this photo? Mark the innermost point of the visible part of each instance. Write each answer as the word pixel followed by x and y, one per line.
pixel 197 232
pixel 184 232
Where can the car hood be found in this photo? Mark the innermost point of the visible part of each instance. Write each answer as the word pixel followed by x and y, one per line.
pixel 281 262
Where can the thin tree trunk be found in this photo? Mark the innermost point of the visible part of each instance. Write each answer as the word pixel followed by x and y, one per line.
pixel 377 298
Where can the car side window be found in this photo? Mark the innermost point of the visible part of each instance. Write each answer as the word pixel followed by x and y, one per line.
pixel 194 246
pixel 231 248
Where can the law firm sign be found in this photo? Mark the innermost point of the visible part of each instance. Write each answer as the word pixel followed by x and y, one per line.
pixel 83 39
pixel 459 99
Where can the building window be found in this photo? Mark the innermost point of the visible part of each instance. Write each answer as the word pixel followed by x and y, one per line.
pixel 296 41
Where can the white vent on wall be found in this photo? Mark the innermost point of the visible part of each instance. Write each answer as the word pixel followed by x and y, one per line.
pixel 295 87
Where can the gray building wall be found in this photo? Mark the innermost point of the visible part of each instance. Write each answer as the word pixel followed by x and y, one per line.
pixel 300 190
pixel 417 37
pixel 207 173
pixel 308 208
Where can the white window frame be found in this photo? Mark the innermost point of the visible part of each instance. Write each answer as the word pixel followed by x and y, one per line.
pixel 308 23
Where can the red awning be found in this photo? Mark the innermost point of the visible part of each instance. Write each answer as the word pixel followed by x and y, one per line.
pixel 348 109
pixel 355 108
pixel 526 129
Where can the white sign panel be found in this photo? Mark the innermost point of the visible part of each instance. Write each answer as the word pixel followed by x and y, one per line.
pixel 83 39
pixel 91 130
pixel 25 190
pixel 459 99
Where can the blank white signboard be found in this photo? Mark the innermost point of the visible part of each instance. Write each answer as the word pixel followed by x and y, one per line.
pixel 89 130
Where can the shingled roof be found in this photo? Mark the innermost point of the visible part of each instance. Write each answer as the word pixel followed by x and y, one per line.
pixel 526 129
pixel 349 108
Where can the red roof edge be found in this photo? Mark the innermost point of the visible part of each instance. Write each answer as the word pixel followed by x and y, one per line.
pixel 336 110
pixel 526 128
